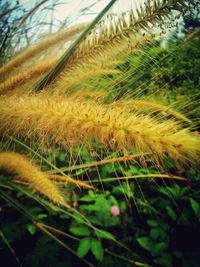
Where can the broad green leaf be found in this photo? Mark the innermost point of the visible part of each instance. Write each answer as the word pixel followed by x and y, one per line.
pixel 31 228
pixel 105 235
pixel 97 249
pixel 42 216
pixel 145 242
pixel 154 233
pixel 165 260
pixel 84 246
pixel 62 157
pixel 94 220
pixel 86 199
pixel 112 200
pixel 196 207
pixel 122 206
pixel 80 230
pixel 152 223
pixel 171 213
pixel 91 194
pixel 158 248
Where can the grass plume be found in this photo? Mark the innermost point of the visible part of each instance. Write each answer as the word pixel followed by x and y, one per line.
pixel 73 122
pixel 32 51
pixel 19 165
pixel 17 80
pixel 113 31
pixel 141 104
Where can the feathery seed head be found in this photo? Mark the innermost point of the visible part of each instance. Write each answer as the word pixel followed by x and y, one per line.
pixel 75 122
pixel 21 166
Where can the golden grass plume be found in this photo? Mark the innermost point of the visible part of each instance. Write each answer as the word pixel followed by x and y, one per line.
pixel 72 122
pixel 27 171
pixel 69 79
pixel 113 30
pixel 141 105
pixel 16 81
pixel 32 51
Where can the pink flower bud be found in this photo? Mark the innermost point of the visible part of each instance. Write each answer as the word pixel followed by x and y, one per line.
pixel 115 211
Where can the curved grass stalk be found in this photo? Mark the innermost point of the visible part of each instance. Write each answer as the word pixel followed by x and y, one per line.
pixel 102 162
pixel 33 51
pixel 69 180
pixel 71 123
pixel 17 164
pixel 150 176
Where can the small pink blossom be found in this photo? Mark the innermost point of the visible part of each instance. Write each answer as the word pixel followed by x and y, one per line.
pixel 115 211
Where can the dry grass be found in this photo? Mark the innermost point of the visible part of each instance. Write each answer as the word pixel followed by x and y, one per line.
pixel 19 165
pixel 32 51
pixel 71 123
pixel 68 180
pixel 16 81
pixel 142 105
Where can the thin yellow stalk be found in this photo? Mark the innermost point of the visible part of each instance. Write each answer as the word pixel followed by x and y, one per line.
pixel 151 176
pixel 73 122
pixel 101 162
pixel 21 166
pixel 32 51
pixel 69 180
pixel 56 230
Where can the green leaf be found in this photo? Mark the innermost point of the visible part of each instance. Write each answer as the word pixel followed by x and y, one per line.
pixel 145 242
pixel 196 207
pixel 165 260
pixel 97 249
pixel 158 248
pixel 105 235
pixel 86 199
pixel 152 223
pixel 31 228
pixel 80 230
pixel 112 200
pixel 42 216
pixel 171 213
pixel 122 206
pixel 84 246
pixel 62 157
pixel 91 194
pixel 154 233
